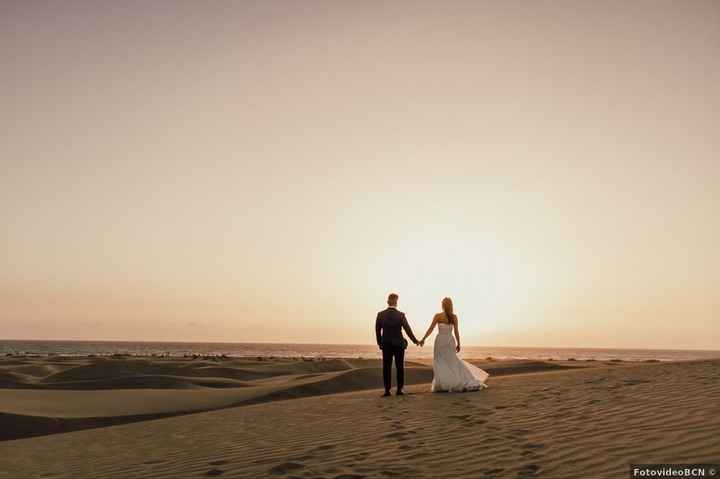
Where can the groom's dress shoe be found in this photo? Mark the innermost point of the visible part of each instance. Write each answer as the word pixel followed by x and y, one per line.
pixel 399 393
pixel 387 393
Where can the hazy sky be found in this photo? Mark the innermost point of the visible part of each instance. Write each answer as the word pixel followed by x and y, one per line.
pixel 269 171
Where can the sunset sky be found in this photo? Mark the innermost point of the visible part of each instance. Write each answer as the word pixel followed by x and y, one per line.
pixel 269 171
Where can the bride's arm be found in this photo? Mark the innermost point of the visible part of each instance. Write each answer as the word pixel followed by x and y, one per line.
pixel 430 330
pixel 457 334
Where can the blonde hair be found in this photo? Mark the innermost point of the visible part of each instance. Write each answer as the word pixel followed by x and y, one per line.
pixel 447 306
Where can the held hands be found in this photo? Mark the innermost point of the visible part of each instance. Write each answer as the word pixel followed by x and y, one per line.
pixel 421 343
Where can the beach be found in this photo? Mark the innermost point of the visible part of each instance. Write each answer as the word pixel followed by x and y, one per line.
pixel 325 418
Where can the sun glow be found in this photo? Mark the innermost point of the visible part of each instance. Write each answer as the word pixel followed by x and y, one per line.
pixel 481 273
pixel 274 175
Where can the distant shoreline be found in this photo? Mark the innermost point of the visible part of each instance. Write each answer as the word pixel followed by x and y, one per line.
pixel 224 357
pixel 348 345
pixel 150 349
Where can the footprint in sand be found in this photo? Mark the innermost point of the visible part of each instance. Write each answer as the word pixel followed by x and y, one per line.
pixel 633 382
pixel 350 476
pixel 217 463
pixel 301 459
pixel 533 445
pixel 493 472
pixel 214 472
pixel 390 473
pixel 460 416
pixel 285 467
pixel 529 470
pixel 324 447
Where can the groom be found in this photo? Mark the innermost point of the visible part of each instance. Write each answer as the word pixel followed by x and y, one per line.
pixel 388 331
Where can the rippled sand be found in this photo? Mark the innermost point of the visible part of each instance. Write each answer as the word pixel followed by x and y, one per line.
pixel 319 419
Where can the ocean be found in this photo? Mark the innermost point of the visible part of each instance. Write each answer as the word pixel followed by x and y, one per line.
pixel 179 349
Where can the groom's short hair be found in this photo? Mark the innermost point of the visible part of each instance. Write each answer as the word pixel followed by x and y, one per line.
pixel 392 298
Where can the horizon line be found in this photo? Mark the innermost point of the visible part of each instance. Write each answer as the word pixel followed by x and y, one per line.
pixel 345 344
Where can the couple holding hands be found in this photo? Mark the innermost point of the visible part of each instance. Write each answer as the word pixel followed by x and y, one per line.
pixel 450 373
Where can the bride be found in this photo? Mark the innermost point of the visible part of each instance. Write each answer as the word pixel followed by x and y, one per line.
pixel 450 372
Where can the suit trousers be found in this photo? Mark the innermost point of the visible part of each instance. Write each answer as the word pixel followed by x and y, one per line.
pixel 389 353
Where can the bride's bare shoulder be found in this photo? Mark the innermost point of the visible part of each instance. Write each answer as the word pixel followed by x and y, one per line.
pixel 439 317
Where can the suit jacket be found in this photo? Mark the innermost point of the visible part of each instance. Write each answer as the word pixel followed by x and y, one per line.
pixel 388 328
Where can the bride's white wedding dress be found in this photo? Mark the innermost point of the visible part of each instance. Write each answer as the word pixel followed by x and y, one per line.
pixel 450 372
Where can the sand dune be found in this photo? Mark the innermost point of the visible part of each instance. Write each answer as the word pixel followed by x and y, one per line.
pixel 44 396
pixel 579 422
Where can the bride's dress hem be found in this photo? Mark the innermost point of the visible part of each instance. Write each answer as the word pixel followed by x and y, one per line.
pixel 468 389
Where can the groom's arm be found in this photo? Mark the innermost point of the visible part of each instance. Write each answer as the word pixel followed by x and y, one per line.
pixel 407 329
pixel 378 329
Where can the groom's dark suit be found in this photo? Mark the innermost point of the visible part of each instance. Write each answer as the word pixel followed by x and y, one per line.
pixel 388 331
